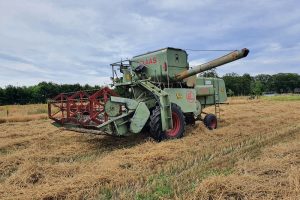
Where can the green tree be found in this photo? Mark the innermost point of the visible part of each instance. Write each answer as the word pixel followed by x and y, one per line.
pixel 266 80
pixel 233 82
pixel 257 88
pixel 210 73
pixel 1 96
pixel 286 82
pixel 246 81
pixel 230 93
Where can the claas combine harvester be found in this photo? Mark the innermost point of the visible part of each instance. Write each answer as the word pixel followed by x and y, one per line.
pixel 156 91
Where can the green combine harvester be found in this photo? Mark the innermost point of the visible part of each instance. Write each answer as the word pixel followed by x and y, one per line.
pixel 155 92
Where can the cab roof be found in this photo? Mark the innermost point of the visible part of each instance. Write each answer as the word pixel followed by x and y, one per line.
pixel 166 48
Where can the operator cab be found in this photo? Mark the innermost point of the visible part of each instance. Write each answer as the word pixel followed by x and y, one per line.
pixel 121 72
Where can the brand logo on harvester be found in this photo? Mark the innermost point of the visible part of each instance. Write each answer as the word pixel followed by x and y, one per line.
pixel 178 95
pixel 149 61
pixel 190 96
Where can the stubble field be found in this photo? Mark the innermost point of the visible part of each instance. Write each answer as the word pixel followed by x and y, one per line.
pixel 254 154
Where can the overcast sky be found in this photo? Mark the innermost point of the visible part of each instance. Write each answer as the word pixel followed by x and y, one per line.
pixel 70 41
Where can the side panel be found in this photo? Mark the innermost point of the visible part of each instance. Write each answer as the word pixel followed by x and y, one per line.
pixel 177 62
pixel 183 97
pixel 209 89
pixel 222 91
pixel 154 62
pixel 139 118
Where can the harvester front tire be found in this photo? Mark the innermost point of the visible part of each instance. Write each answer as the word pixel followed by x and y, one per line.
pixel 155 124
pixel 210 121
pixel 178 124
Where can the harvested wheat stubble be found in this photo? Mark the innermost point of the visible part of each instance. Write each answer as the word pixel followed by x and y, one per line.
pixel 275 174
pixel 23 113
pixel 253 155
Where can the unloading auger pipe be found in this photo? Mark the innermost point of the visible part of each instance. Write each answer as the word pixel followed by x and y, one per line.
pixel 235 55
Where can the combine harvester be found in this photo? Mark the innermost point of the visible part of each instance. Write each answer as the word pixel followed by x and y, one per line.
pixel 157 91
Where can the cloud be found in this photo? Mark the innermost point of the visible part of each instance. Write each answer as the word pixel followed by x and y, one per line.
pixel 73 41
pixel 182 6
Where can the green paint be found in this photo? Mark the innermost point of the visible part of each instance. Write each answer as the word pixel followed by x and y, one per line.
pixel 162 63
pixel 131 104
pixel 183 97
pixel 112 108
pixel 164 102
pixel 139 118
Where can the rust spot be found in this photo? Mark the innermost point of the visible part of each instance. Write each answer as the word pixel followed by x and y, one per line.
pixel 181 75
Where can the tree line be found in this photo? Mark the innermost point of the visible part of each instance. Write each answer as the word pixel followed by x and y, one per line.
pixel 39 93
pixel 262 83
pixel 235 85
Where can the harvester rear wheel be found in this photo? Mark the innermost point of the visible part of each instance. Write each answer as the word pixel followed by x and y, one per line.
pixel 210 121
pixel 178 124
